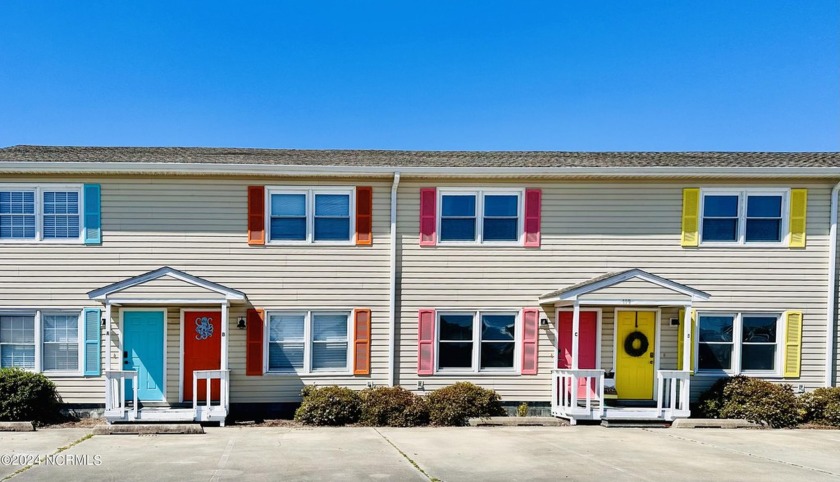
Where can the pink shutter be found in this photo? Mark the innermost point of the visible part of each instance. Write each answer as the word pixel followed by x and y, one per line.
pixel 428 216
pixel 426 342
pixel 533 207
pixel 530 340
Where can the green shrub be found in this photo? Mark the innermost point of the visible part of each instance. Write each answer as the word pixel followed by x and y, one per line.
pixel 331 405
pixel 393 407
pixel 522 410
pixel 455 404
pixel 752 399
pixel 822 406
pixel 27 396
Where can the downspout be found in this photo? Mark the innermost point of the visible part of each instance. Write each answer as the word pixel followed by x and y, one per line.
pixel 392 296
pixel 832 290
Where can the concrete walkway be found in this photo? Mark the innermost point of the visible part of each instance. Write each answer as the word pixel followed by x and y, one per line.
pixel 450 454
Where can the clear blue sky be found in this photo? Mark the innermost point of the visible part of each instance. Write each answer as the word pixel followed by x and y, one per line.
pixel 475 75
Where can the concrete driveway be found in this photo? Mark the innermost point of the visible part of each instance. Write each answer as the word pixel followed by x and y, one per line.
pixel 450 454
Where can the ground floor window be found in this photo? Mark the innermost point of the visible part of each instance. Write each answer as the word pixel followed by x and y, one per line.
pixel 40 341
pixel 739 342
pixel 308 341
pixel 476 341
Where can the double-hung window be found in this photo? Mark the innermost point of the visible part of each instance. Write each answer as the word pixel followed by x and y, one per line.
pixel 744 216
pixel 477 341
pixel 40 213
pixel 308 342
pixel 41 341
pixel 739 343
pixel 482 216
pixel 17 341
pixel 311 215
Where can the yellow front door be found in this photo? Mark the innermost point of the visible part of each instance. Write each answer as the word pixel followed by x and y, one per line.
pixel 634 356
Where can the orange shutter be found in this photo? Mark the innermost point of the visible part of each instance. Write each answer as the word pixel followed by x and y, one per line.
pixel 254 350
pixel 530 340
pixel 256 215
pixel 364 215
pixel 361 341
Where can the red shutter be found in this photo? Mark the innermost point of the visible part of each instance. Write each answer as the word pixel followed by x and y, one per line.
pixel 254 350
pixel 428 216
pixel 426 343
pixel 256 215
pixel 530 340
pixel 361 341
pixel 533 207
pixel 364 215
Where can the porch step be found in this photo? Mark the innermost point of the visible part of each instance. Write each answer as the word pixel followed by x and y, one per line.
pixel 634 423
pixel 148 429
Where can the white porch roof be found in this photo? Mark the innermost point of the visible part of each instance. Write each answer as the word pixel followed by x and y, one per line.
pixel 166 286
pixel 606 289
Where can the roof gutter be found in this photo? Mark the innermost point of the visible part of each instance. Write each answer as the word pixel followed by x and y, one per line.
pixel 831 308
pixel 392 295
pixel 202 169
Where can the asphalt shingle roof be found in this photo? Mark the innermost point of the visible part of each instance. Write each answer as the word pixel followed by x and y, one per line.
pixel 378 158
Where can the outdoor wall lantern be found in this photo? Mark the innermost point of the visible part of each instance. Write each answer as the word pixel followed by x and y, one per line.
pixel 241 323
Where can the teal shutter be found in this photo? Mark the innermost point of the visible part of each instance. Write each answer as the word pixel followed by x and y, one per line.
pixel 93 343
pixel 93 218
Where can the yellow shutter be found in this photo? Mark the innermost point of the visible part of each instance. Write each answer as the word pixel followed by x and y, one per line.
pixel 793 344
pixel 798 211
pixel 690 217
pixel 681 340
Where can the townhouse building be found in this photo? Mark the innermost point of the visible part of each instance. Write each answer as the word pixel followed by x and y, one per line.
pixel 182 283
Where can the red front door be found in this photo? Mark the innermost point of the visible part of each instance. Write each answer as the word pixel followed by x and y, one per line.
pixel 202 350
pixel 587 344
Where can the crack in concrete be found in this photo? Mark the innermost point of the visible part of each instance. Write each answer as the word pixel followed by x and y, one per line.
pixel 223 460
pixel 748 454
pixel 409 459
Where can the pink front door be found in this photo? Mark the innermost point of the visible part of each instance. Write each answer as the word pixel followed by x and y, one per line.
pixel 587 344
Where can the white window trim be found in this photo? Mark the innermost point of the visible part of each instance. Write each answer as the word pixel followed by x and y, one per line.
pixel 39 339
pixel 39 212
pixel 310 193
pixel 476 341
pixel 479 215
pixel 742 216
pixel 737 332
pixel 307 343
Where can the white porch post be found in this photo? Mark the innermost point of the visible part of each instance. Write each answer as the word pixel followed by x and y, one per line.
pixel 224 381
pixel 575 336
pixel 107 317
pixel 686 321
pixel 224 325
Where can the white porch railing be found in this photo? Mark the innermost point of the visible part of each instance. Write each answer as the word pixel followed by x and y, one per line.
pixel 209 412
pixel 566 399
pixel 672 393
pixel 115 404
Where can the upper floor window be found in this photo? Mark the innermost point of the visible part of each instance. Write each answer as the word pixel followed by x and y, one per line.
pixel 310 215
pixel 744 216
pixel 739 343
pixel 483 216
pixel 45 213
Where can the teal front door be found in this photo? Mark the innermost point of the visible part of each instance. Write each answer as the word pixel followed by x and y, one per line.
pixel 143 351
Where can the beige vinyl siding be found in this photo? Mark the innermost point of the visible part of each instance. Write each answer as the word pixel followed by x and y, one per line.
pixel 198 225
pixel 592 228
